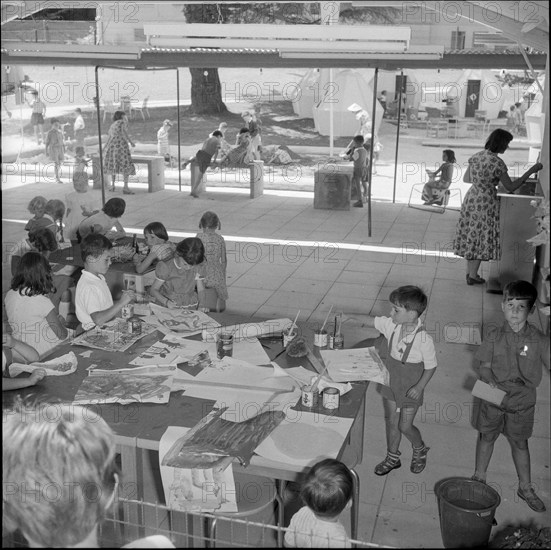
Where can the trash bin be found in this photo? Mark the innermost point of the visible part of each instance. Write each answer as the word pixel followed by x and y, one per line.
pixel 466 509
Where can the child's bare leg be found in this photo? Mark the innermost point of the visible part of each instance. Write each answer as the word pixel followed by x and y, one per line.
pixel 393 438
pixel 407 415
pixel 484 450
pixel 521 458
pixel 40 130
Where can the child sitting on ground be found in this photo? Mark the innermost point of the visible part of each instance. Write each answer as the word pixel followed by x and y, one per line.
pixel 80 203
pixel 511 358
pixel 326 492
pixel 179 282
pixel 443 182
pixel 93 301
pixel 31 314
pixel 409 355
pixel 215 253
pixel 103 221
pixel 39 240
pixel 160 248
pixel 36 208
pixel 55 147
pixel 13 349
pixel 73 454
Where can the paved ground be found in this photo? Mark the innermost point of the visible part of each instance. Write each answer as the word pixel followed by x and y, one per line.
pixel 285 256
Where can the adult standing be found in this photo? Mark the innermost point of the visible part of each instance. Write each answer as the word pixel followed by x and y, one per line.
pixel 204 157
pixel 255 129
pixel 78 128
pixel 117 158
pixel 382 101
pixel 37 116
pixel 163 146
pixel 477 233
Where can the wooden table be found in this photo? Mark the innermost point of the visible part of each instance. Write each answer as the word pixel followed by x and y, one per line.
pixel 140 426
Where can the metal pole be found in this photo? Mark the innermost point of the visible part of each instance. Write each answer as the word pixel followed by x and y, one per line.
pixel 373 112
pixel 331 115
pixel 178 115
pixel 397 135
pixel 99 136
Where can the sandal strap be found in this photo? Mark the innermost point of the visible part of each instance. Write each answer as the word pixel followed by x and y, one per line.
pixel 389 463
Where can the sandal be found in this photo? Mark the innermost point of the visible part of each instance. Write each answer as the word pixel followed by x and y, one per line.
pixel 391 462
pixel 419 459
pixel 533 500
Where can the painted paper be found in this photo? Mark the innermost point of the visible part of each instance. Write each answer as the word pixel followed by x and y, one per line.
pixel 183 321
pixel 354 365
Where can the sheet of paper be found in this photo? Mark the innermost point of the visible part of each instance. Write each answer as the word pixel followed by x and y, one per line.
pixel 118 387
pixel 170 351
pixel 244 331
pixel 488 393
pixel 303 438
pixel 183 321
pixel 60 366
pixel 351 365
pixel 195 489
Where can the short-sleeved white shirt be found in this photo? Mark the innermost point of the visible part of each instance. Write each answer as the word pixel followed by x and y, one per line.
pixel 308 531
pixel 423 346
pixel 27 319
pixel 92 295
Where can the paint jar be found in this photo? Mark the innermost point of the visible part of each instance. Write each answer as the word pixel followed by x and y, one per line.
pixel 134 325
pixel 320 338
pixel 309 397
pixel 288 336
pixel 331 398
pixel 338 341
pixel 224 345
pixel 127 311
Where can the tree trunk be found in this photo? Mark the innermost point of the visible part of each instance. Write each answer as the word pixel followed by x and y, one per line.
pixel 206 92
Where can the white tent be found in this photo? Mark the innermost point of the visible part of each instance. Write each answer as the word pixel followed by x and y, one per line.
pixel 308 90
pixel 348 87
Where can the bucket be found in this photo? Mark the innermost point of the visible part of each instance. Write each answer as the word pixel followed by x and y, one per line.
pixel 467 509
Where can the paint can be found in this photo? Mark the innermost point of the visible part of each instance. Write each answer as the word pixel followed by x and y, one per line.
pixel 338 341
pixel 224 345
pixel 127 311
pixel 331 398
pixel 309 397
pixel 320 338
pixel 134 325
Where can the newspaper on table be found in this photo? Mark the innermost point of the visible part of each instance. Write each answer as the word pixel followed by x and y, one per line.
pixel 112 336
pixel 355 365
pixel 60 366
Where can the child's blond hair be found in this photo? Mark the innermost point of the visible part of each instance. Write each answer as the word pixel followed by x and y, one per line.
pixel 37 206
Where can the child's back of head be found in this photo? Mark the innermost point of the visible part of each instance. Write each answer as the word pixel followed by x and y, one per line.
pixel 70 453
pixel 328 488
pixel 410 297
pixel 55 208
pixel 191 250
pixel 43 240
pixel 114 208
pixel 33 276
pixel 210 220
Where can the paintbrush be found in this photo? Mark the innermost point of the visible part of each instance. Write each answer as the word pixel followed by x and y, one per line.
pixel 326 317
pixel 317 381
pixel 294 323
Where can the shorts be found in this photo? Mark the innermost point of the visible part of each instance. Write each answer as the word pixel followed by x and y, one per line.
pixel 203 160
pixel 517 422
pixel 37 118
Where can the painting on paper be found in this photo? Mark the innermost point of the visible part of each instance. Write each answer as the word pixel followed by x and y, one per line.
pixel 183 321
pixel 124 388
pixel 169 351
pixel 113 336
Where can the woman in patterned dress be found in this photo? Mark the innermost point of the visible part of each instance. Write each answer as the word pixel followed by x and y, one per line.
pixel 477 232
pixel 117 158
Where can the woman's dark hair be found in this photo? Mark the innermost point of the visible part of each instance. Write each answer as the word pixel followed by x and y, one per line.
pixel 450 155
pixel 43 240
pixel 114 208
pixel 191 250
pixel 327 488
pixel 210 220
pixel 498 140
pixel 157 229
pixel 33 276
pixel 118 115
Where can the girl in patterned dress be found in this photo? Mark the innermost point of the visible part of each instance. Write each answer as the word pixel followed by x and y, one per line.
pixel 477 232
pixel 117 159
pixel 215 252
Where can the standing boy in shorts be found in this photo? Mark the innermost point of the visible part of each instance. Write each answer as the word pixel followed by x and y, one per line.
pixel 511 359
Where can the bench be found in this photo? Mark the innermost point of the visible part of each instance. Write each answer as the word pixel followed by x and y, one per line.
pixel 155 171
pixel 256 168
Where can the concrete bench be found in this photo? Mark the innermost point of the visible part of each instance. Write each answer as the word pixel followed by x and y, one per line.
pixel 155 171
pixel 256 168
